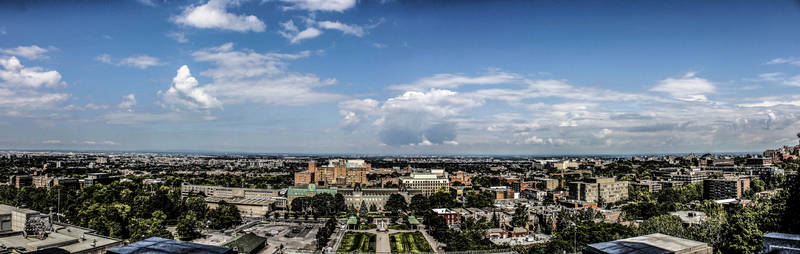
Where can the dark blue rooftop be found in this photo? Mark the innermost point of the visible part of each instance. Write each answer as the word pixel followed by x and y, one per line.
pixel 158 245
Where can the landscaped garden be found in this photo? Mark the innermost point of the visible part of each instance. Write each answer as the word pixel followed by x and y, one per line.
pixel 409 242
pixel 357 242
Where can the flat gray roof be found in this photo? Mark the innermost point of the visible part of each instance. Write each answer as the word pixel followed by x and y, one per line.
pixel 653 243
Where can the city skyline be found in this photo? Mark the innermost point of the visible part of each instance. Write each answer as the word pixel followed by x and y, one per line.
pixel 399 77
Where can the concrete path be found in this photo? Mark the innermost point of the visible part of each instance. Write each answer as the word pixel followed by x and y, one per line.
pixel 382 242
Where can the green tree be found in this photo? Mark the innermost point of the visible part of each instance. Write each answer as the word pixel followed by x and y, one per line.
pixel 520 218
pixel 224 216
pixel 197 205
pixel 665 224
pixel 742 235
pixel 188 227
pixel 419 204
pixel 396 203
pixel 141 228
pixel 479 199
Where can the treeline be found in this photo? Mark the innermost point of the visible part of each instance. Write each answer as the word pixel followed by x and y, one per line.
pixel 125 210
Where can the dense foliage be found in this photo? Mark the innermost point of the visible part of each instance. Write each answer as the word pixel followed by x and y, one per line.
pixel 125 210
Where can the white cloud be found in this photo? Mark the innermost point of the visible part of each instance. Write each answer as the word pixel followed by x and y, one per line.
pixel 180 37
pixel 88 106
pixel 770 103
pixel 108 142
pixel 185 93
pixel 354 30
pixel 780 77
pixel 320 5
pixel 51 142
pixel 413 118
pixel 140 61
pixel 214 14
pixel 603 133
pixel 104 58
pixel 150 3
pixel 356 111
pixel 128 102
pixel 308 33
pixel 234 65
pixel 451 81
pixel 787 60
pixel 29 52
pixel 14 74
pixel 687 88
pixel 378 45
pixel 247 76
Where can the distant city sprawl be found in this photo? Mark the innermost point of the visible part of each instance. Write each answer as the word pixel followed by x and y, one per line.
pixel 743 203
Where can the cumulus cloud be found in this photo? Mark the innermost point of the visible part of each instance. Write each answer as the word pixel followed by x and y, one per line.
pixel 185 93
pixel 687 88
pixel 22 89
pixel 413 117
pixel 214 15
pixel 140 61
pixel 247 76
pixel 319 5
pixel 29 52
pixel 356 111
pixel 128 101
pixel 15 74
pixel 561 117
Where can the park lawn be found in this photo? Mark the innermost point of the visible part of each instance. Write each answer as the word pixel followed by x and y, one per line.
pixel 357 242
pixel 409 242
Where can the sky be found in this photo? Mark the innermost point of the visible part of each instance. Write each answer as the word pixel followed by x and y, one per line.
pixel 400 77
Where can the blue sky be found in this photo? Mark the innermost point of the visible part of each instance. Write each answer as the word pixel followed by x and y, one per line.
pixel 450 77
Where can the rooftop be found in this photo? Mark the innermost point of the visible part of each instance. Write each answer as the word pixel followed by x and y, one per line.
pixel 166 246
pixel 653 243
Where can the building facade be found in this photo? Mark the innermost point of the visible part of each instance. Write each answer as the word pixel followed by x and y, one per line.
pixel 337 172
pixel 725 188
pixel 427 182
pixel 594 190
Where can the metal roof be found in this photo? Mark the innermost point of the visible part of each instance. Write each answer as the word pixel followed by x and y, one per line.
pixel 158 245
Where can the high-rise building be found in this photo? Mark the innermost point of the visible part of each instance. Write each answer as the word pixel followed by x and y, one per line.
pixel 725 188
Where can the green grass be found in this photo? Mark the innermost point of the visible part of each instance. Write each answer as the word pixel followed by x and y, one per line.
pixel 409 242
pixel 357 242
